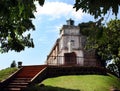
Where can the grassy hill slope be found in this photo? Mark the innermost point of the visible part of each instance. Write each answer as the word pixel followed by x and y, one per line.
pixel 6 73
pixel 72 82
pixel 84 83
pixel 78 83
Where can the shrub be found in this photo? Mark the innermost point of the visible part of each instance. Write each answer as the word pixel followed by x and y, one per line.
pixel 13 64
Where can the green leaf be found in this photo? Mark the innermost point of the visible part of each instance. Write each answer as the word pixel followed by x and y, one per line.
pixel 41 2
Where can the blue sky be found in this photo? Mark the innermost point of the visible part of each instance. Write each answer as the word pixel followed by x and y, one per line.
pixel 49 20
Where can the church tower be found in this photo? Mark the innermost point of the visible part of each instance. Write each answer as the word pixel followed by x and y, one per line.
pixel 70 42
pixel 69 48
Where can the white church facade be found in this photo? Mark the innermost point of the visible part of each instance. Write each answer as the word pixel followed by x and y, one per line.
pixel 69 48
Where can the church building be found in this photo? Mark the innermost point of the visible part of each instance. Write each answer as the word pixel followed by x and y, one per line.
pixel 69 48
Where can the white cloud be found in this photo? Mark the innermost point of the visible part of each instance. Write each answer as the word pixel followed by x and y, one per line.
pixel 57 10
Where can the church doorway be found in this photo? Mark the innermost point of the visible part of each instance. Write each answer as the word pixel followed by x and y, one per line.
pixel 70 58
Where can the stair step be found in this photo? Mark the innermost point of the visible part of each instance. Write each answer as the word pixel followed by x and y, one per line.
pixel 25 83
pixel 17 86
pixel 21 80
pixel 12 89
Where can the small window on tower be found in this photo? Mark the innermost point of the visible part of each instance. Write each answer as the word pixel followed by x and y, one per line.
pixel 72 42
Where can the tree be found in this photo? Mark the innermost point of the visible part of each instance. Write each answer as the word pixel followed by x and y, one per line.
pixel 117 63
pixel 113 66
pixel 93 31
pixel 104 39
pixel 98 7
pixel 15 19
pixel 13 64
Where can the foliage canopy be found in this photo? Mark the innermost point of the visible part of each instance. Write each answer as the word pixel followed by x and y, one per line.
pixel 104 39
pixel 15 19
pixel 97 7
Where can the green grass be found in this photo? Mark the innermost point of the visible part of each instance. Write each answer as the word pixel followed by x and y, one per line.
pixel 78 83
pixel 84 82
pixel 72 82
pixel 5 73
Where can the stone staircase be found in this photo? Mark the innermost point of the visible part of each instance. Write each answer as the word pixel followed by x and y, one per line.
pixel 17 84
pixel 23 78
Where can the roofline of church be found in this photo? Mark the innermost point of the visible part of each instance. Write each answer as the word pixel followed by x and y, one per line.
pixel 57 41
